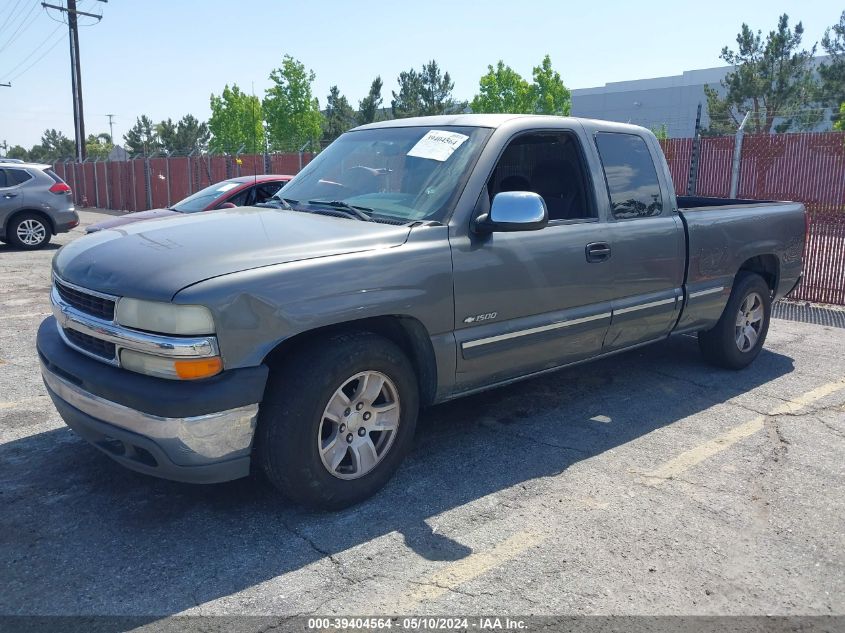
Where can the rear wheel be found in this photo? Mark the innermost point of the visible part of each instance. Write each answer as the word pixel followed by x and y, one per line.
pixel 337 419
pixel 737 338
pixel 28 231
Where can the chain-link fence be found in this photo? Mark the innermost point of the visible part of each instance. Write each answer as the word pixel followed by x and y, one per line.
pixel 804 167
pixel 151 182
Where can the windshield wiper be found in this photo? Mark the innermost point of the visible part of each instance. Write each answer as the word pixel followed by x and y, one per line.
pixel 279 203
pixel 352 210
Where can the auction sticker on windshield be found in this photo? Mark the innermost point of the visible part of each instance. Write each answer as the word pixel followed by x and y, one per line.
pixel 437 145
pixel 227 186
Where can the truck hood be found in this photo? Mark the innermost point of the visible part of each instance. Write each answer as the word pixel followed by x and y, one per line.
pixel 156 259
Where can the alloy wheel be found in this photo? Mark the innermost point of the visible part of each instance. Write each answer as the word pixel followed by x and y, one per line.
pixel 359 425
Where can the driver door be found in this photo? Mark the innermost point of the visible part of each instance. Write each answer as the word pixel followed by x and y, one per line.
pixel 532 300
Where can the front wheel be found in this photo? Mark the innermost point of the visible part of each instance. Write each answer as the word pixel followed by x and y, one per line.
pixel 738 336
pixel 337 419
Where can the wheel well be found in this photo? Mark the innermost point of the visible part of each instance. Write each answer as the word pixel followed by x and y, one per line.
pixel 767 266
pixel 406 332
pixel 37 212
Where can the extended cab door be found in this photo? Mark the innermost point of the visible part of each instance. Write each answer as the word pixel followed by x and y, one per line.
pixel 646 237
pixel 532 300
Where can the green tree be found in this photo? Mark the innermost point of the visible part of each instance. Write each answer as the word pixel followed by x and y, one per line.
pixel 503 89
pixel 236 121
pixel 37 154
pixel 16 151
pixel 339 115
pixel 425 93
pixel 661 132
pixel 98 146
pixel 772 79
pixel 369 106
pixel 550 95
pixel 408 101
pixel 832 74
pixel 55 144
pixel 166 130
pixel 186 135
pixel 142 137
pixel 292 112
pixel 838 124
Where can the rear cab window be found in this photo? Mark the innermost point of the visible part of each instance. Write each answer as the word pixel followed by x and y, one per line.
pixel 630 174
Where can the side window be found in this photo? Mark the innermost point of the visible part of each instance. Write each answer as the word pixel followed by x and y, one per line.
pixel 16 177
pixel 265 191
pixel 549 164
pixel 631 177
pixel 242 199
pixel 3 178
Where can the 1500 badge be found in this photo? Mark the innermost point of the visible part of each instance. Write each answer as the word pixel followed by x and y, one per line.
pixel 481 317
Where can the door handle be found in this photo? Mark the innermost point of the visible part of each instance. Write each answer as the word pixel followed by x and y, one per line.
pixel 597 252
pixel 9 195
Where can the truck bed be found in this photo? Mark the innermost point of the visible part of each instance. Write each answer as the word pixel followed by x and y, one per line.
pixel 701 202
pixel 724 235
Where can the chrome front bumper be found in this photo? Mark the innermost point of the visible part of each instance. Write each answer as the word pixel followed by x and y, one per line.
pixel 203 449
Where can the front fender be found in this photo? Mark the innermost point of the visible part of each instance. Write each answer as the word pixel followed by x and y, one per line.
pixel 257 309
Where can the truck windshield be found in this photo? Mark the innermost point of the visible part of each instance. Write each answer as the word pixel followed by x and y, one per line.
pixel 407 174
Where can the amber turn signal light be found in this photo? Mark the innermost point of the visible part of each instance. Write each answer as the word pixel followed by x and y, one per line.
pixel 198 368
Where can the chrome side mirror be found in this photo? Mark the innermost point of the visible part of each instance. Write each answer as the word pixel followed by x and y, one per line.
pixel 514 211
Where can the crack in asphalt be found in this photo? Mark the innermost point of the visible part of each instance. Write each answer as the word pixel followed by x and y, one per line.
pixel 437 585
pixel 830 427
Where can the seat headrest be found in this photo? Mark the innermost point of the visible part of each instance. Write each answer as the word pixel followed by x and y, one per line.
pixel 514 183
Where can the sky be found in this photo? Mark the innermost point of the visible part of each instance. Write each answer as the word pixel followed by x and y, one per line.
pixel 165 58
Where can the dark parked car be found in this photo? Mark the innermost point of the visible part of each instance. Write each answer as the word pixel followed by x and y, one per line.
pixel 243 191
pixel 35 204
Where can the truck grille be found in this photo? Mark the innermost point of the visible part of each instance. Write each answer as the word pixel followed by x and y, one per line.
pixel 98 347
pixel 85 302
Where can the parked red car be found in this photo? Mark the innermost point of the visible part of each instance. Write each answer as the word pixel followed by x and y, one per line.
pixel 243 191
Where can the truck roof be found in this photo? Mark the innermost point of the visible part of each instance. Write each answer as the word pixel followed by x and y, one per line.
pixel 492 121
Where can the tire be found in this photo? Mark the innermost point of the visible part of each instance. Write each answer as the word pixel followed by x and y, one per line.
pixel 297 446
pixel 730 343
pixel 28 231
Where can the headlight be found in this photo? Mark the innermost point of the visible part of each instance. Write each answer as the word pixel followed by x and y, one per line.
pixel 165 318
pixel 172 368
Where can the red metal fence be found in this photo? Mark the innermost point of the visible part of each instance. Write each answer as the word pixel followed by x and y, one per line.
pixel 126 186
pixel 808 168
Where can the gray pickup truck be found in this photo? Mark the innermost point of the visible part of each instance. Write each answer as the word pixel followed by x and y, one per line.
pixel 412 262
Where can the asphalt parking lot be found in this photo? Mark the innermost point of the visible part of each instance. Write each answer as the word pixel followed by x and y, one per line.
pixel 649 483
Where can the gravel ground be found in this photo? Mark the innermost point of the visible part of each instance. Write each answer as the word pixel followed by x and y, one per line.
pixel 648 483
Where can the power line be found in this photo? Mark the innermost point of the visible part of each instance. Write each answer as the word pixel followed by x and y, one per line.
pixel 28 57
pixel 22 27
pixel 37 59
pixel 11 13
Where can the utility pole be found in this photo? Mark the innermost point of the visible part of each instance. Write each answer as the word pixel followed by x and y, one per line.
pixel 75 70
pixel 111 127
